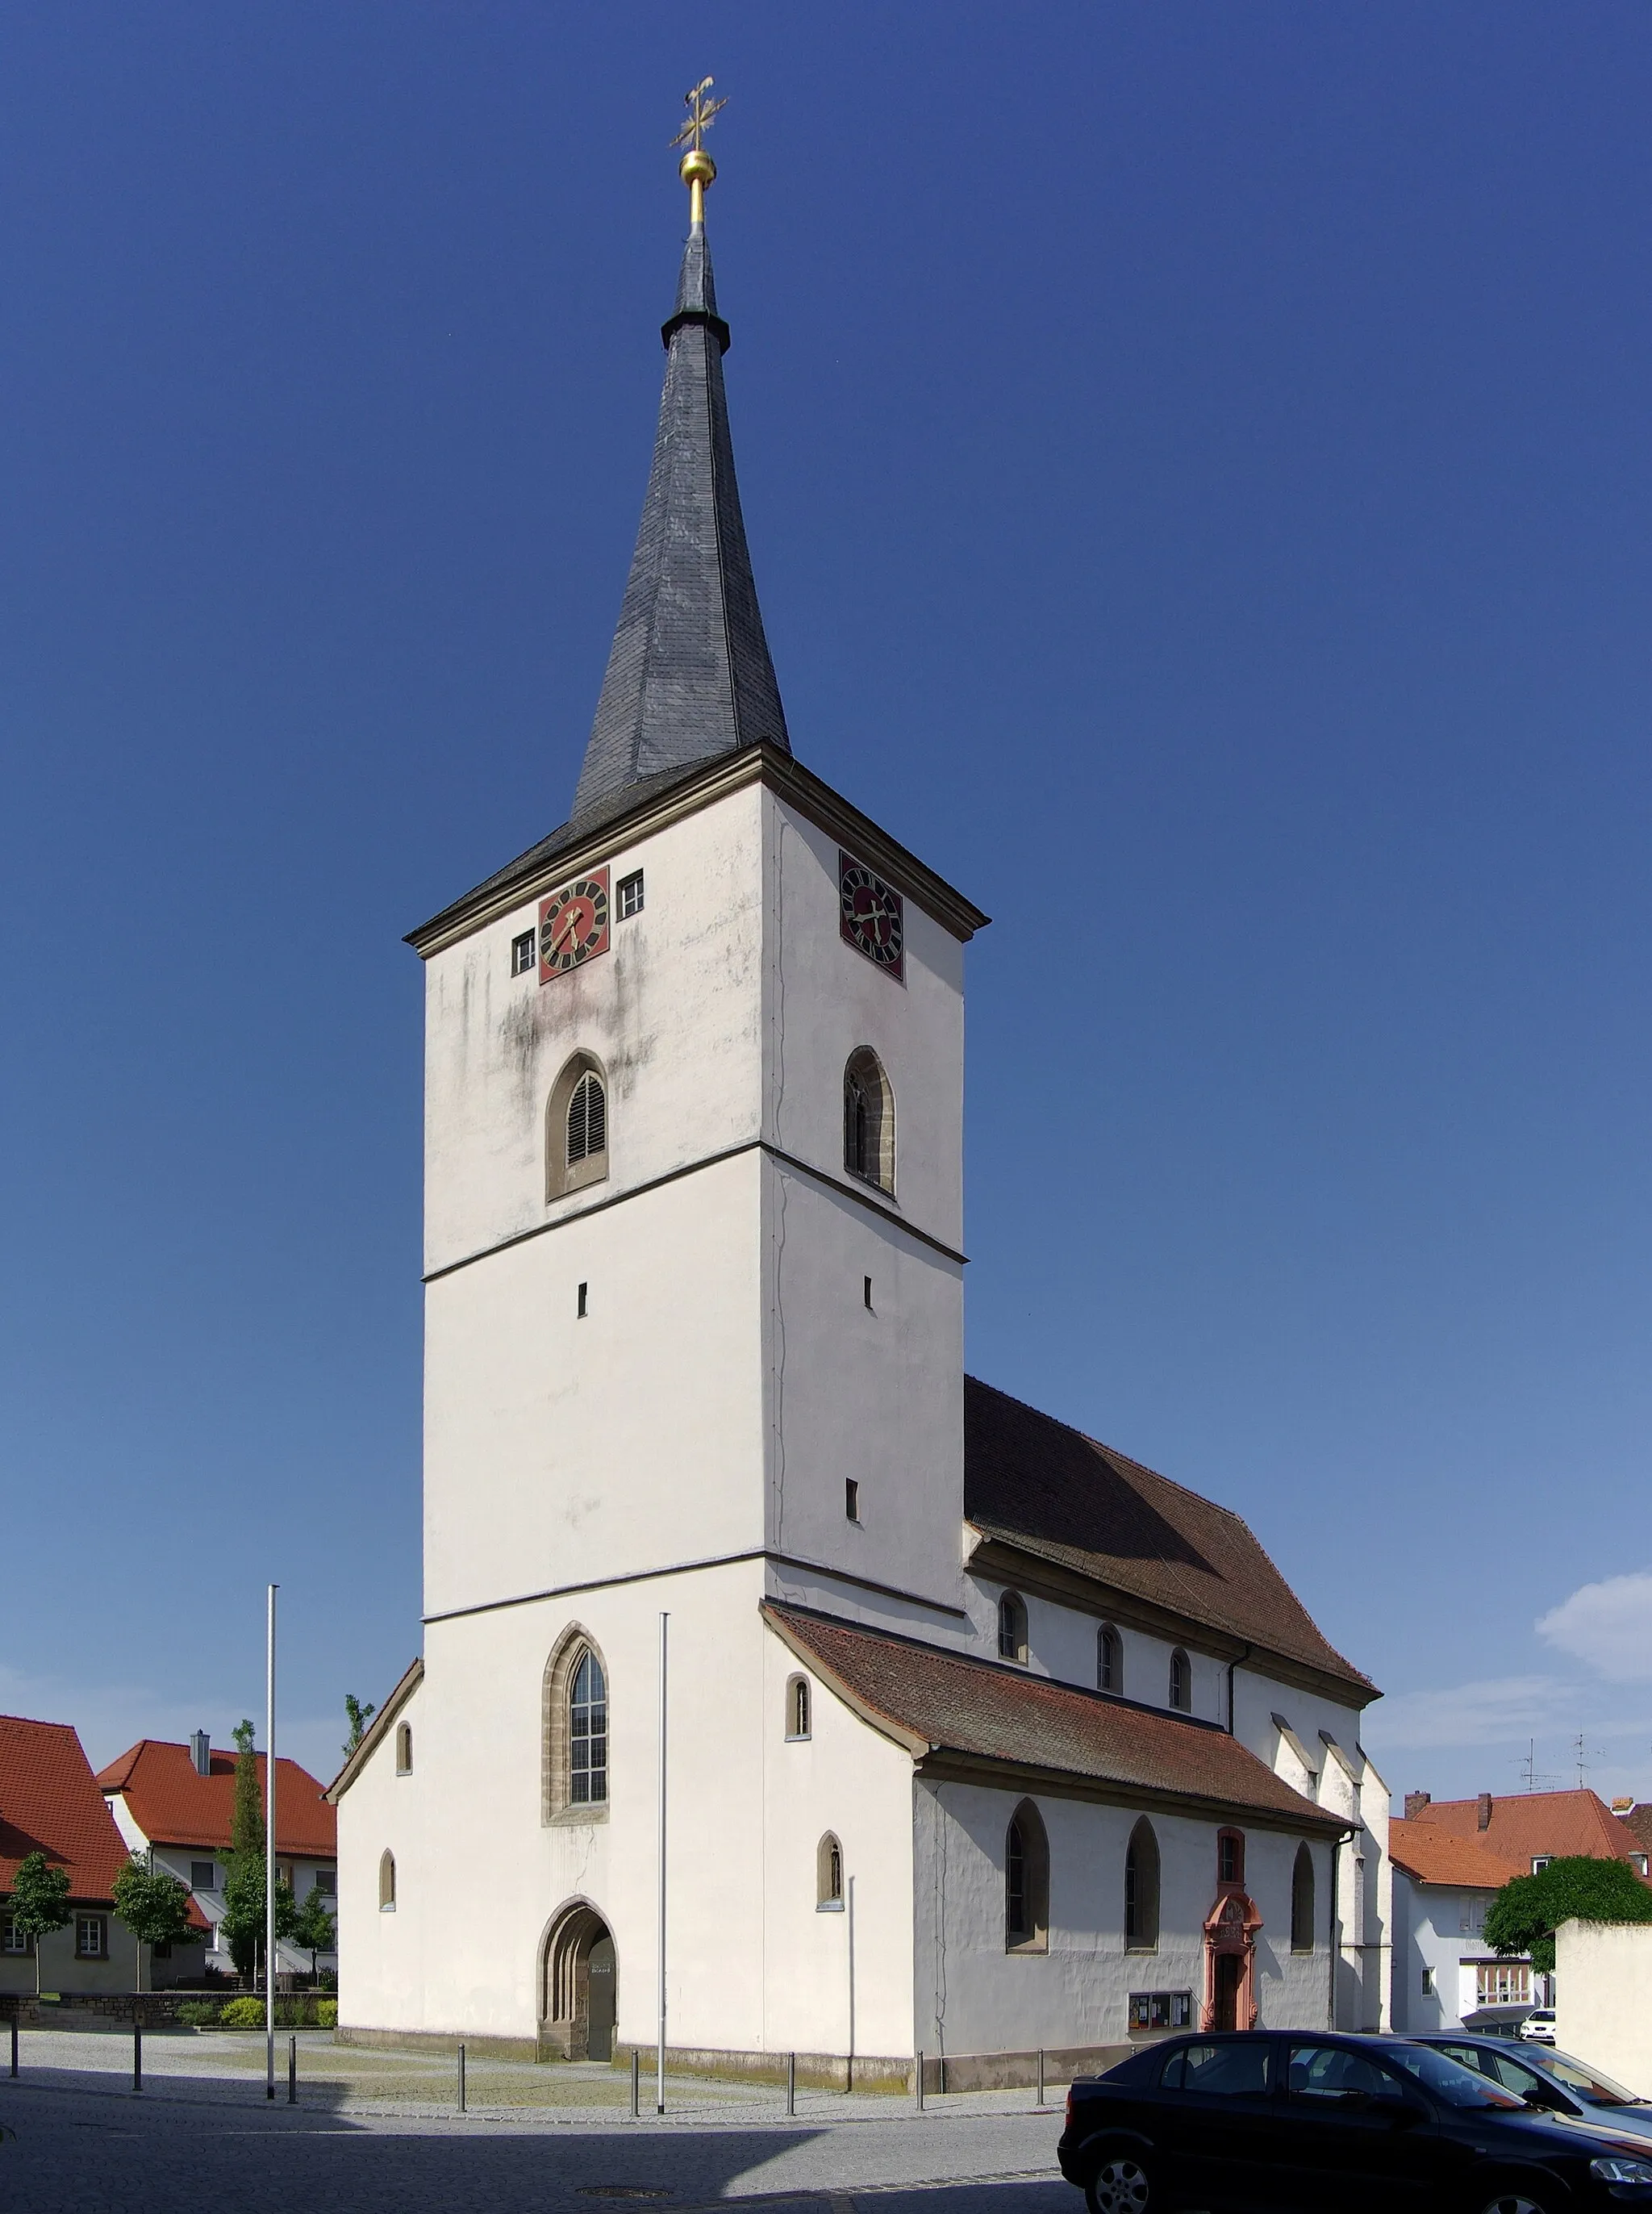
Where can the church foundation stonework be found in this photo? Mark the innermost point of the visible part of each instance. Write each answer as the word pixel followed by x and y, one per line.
pixel 982 1739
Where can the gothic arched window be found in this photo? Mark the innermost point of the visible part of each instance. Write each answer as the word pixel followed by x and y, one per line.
pixel 1012 1628
pixel 868 1121
pixel 1026 1882
pixel 587 1734
pixel 576 1128
pixel 574 1734
pixel 387 1882
pixel 1301 1902
pixel 797 1706
pixel 1142 1889
pixel 404 1748
pixel 828 1872
pixel 1109 1660
pixel 1181 1682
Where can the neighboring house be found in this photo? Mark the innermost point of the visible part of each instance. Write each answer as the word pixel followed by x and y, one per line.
pixel 1532 1828
pixel 1443 1967
pixel 1636 1819
pixel 50 1801
pixel 983 1737
pixel 179 1801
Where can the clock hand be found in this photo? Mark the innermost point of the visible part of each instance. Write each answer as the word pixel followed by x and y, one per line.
pixel 557 942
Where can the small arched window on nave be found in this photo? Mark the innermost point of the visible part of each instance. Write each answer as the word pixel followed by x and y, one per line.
pixel 387 1882
pixel 1012 1627
pixel 576 1128
pixel 1109 1660
pixel 404 1748
pixel 1301 1902
pixel 1142 1889
pixel 1026 1882
pixel 828 1873
pixel 1181 1682
pixel 797 1707
pixel 868 1121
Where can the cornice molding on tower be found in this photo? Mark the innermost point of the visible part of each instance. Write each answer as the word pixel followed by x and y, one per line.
pixel 549 864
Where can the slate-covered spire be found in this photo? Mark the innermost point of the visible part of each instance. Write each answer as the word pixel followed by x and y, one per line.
pixel 689 674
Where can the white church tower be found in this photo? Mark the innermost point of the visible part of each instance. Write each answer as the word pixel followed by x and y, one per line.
pixel 694 1385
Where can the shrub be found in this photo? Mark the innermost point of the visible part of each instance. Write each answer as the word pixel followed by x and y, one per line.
pixel 242 2014
pixel 197 2013
pixel 326 2013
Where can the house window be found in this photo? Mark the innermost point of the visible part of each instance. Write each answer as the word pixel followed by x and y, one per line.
pixel 630 892
pixel 1301 1902
pixel 797 1716
pixel 1161 2009
pixel 404 1748
pixel 91 1937
pixel 201 1874
pixel 1230 1858
pixel 828 1875
pixel 852 1500
pixel 587 1734
pixel 1539 1862
pixel 387 1882
pixel 1012 1628
pixel 327 1882
pixel 1428 1983
pixel 1181 1682
pixel 12 1938
pixel 1109 1660
pixel 1638 1863
pixel 868 1121
pixel 576 1128
pixel 521 954
pixel 1502 1983
pixel 1142 1889
pixel 1026 1882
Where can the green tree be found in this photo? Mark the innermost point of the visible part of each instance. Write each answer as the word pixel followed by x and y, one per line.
pixel 246 1818
pixel 154 1905
pixel 243 1911
pixel 1528 1909
pixel 359 1716
pixel 40 1902
pixel 314 1926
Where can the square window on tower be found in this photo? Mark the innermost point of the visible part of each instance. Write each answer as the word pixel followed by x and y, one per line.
pixel 630 895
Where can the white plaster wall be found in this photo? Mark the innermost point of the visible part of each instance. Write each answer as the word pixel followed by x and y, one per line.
pixel 1061 1643
pixel 743 1821
pixel 972 1995
pixel 61 1970
pixel 558 1450
pixel 1603 1975
pixel 1440 1929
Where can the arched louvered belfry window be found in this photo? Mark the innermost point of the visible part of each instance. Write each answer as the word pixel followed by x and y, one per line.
pixel 868 1121
pixel 1142 1889
pixel 1026 1882
pixel 1012 1627
pixel 576 1128
pixel 1181 1682
pixel 1301 1902
pixel 1109 1660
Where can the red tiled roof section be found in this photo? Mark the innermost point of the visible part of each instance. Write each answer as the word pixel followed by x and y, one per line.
pixel 1638 1823
pixel 1529 1824
pixel 952 1701
pixel 50 1802
pixel 173 1806
pixel 1434 1856
pixel 1048 1490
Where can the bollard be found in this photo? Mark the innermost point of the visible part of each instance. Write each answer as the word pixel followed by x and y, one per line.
pixel 636 2083
pixel 292 2071
pixel 1040 2075
pixel 791 2084
pixel 918 2084
pixel 461 2079
pixel 138 2055
pixel 14 2045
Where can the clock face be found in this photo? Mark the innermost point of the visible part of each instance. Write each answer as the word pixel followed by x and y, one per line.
pixel 871 916
pixel 573 925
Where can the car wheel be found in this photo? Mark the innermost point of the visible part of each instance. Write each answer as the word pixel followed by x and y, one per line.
pixel 1122 2185
pixel 1514 2202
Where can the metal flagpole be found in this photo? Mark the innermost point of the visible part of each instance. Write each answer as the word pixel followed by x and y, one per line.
pixel 660 2057
pixel 269 1847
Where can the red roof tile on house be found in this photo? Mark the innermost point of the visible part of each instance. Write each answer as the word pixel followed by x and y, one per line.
pixel 935 1701
pixel 1436 1856
pixel 1638 1824
pixel 50 1802
pixel 173 1806
pixel 1050 1490
pixel 1528 1824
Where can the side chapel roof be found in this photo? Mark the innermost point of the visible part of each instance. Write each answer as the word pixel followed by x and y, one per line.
pixel 937 1702
pixel 1047 1490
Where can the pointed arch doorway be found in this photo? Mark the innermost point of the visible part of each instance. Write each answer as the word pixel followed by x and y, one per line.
pixel 578 1985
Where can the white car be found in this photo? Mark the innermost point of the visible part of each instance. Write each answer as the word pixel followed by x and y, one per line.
pixel 1538 2026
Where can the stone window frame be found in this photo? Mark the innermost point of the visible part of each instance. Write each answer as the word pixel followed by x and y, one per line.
pixel 560 1178
pixel 829 1874
pixel 387 1881
pixel 866 1085
pixel 1026 1840
pixel 800 1709
pixel 558 1809
pixel 404 1748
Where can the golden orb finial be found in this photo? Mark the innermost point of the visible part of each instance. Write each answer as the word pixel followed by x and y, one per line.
pixel 697 168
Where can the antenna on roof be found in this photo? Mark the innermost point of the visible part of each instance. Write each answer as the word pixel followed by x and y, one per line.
pixel 1531 1780
pixel 1584 1756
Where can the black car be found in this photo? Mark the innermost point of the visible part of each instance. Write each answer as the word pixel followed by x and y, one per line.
pixel 1268 2121
pixel 1544 2077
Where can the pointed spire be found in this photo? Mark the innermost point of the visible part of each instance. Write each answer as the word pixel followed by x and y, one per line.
pixel 689 673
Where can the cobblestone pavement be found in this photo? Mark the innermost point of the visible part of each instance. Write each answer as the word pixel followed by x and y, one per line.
pixel 202 2139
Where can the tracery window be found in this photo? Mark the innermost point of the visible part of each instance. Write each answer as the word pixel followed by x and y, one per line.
pixel 868 1121
pixel 587 1734
pixel 575 1733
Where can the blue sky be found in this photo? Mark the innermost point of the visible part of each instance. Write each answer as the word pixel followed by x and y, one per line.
pixel 1196 466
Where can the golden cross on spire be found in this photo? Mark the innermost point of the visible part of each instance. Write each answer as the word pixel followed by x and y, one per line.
pixel 697 168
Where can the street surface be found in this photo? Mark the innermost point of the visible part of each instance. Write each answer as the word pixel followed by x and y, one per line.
pixel 380 2133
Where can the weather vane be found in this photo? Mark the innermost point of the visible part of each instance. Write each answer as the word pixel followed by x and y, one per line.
pixel 697 168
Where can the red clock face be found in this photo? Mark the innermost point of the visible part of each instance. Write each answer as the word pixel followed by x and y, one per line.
pixel 573 925
pixel 871 916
